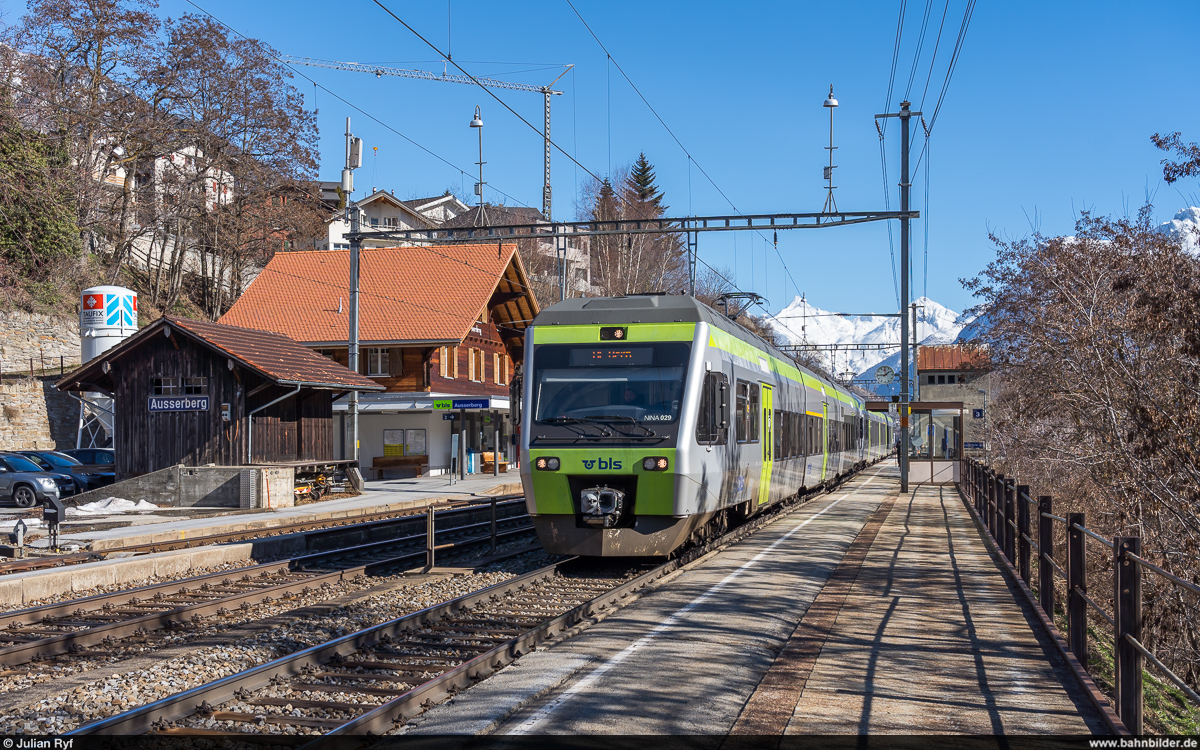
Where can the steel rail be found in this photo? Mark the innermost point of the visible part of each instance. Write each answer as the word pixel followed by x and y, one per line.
pixel 317 527
pixel 64 644
pixel 184 704
pixel 381 718
pixel 69 641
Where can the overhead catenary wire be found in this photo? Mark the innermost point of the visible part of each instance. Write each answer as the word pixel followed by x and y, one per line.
pixel 516 114
pixel 355 107
pixel 678 142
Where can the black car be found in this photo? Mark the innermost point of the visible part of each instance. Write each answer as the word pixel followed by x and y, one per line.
pixel 99 457
pixel 24 482
pixel 87 477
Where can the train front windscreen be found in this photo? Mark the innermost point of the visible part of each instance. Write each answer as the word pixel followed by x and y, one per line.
pixel 642 382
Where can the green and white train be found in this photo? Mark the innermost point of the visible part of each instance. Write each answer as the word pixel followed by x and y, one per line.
pixel 652 420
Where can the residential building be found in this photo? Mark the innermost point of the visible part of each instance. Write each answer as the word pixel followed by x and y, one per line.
pixel 541 257
pixel 436 324
pixel 380 210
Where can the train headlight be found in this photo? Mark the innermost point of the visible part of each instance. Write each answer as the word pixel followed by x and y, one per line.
pixel 547 464
pixel 655 463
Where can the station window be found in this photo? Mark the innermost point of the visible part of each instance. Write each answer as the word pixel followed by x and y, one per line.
pixel 712 426
pixel 195 386
pixel 167 387
pixel 930 379
pixel 377 362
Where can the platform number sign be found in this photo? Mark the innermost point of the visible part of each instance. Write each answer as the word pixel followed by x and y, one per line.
pixel 977 413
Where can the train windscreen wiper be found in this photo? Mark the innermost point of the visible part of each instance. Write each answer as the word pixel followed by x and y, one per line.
pixel 632 420
pixel 578 421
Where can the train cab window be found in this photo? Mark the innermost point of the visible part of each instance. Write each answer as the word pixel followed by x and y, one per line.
pixel 712 425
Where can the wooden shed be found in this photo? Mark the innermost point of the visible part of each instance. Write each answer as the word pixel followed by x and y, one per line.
pixel 198 393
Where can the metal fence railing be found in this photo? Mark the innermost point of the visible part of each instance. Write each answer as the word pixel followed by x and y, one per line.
pixel 1010 513
pixel 38 366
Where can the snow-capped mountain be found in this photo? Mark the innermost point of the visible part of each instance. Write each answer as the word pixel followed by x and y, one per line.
pixel 801 320
pixel 1186 228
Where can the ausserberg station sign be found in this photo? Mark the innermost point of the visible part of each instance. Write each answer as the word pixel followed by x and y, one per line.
pixel 178 403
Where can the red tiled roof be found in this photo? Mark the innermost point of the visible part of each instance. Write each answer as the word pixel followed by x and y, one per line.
pixel 952 357
pixel 274 356
pixel 408 294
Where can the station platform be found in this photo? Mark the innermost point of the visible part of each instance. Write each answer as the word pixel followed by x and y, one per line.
pixel 861 612
pixel 377 497
pixel 918 632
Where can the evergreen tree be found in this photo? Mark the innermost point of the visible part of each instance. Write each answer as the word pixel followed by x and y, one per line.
pixel 641 188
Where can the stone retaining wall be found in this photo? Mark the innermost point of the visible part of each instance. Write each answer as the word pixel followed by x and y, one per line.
pixel 36 415
pixel 33 336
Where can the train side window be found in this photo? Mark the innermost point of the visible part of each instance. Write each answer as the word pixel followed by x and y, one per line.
pixel 753 410
pixel 713 423
pixel 779 432
pixel 742 411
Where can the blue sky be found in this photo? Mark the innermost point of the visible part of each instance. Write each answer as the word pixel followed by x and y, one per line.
pixel 1050 111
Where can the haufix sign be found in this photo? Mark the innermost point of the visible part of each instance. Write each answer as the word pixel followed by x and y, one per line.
pixel 178 403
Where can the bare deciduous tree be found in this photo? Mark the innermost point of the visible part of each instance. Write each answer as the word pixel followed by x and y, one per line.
pixel 1095 341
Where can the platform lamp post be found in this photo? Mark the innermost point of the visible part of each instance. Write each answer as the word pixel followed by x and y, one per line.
pixel 477 123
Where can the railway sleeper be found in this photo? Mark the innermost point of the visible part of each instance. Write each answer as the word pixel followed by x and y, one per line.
pixel 279 719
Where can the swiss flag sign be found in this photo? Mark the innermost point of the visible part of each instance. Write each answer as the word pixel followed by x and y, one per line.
pixel 93 301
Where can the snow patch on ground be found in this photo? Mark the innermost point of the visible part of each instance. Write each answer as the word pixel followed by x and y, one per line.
pixel 109 506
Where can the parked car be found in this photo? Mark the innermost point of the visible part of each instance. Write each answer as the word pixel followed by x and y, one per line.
pixel 105 457
pixel 88 477
pixel 24 482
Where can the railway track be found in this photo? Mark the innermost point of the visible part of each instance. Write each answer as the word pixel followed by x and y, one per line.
pixel 381 518
pixel 88 627
pixel 372 680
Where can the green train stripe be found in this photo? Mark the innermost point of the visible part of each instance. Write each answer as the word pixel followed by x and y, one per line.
pixel 637 332
pixel 719 339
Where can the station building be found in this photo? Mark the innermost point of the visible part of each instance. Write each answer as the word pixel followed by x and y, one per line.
pixel 204 401
pixel 440 328
pixel 956 373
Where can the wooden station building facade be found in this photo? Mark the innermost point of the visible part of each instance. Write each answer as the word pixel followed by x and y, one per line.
pixel 198 393
pixel 438 326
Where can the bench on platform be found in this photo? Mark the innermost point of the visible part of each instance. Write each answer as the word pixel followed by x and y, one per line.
pixel 411 466
pixel 487 463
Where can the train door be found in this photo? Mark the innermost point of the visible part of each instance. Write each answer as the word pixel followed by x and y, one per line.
pixel 824 439
pixel 768 443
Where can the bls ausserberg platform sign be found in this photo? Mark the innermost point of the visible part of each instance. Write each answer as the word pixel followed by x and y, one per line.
pixel 178 403
pixel 462 403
